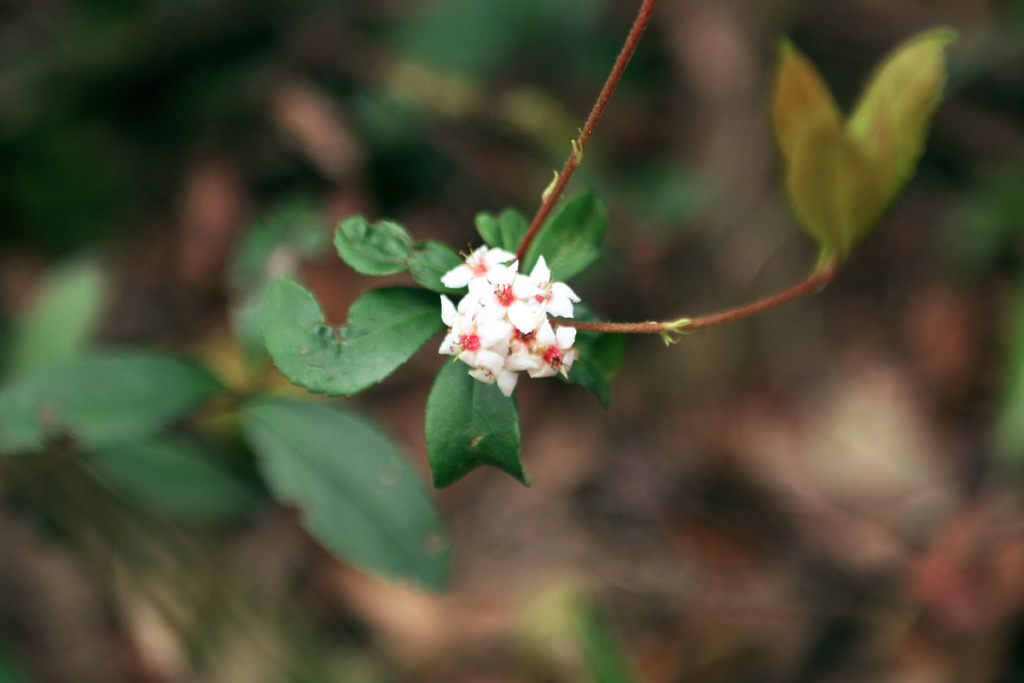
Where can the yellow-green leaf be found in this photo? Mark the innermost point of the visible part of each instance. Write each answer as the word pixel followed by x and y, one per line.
pixel 801 102
pixel 841 175
pixel 891 120
pixel 833 192
pixel 804 113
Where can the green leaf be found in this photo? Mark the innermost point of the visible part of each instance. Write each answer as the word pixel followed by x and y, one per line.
pixel 380 248
pixel 599 357
pixel 63 317
pixel 385 327
pixel 356 493
pixel 172 475
pixel 101 399
pixel 895 109
pixel 470 423
pixel 431 260
pixel 571 239
pixel 505 231
pixel 272 247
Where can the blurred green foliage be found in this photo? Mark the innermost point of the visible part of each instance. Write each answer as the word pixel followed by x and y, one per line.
pixel 273 247
pixel 479 38
pixel 355 490
pixel 984 227
pixel 10 672
pixel 175 476
pixel 103 106
pixel 64 317
pixel 103 399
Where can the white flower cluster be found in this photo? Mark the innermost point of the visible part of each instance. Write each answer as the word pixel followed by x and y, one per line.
pixel 501 328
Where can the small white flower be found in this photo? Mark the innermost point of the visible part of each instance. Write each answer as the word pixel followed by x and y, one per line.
pixel 552 298
pixel 507 298
pixel 476 342
pixel 554 348
pixel 500 327
pixel 484 263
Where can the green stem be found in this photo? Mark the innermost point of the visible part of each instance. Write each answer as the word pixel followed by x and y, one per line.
pixel 555 193
pixel 683 325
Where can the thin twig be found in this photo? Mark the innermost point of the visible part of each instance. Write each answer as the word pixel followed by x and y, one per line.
pixel 812 284
pixel 555 193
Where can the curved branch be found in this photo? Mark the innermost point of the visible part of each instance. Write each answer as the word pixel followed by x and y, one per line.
pixel 552 196
pixel 683 325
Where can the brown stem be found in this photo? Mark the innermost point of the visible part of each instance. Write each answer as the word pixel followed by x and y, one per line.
pixel 808 286
pixel 811 284
pixel 555 193
pixel 648 327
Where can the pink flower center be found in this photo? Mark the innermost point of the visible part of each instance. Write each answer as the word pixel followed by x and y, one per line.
pixel 479 268
pixel 469 342
pixel 525 337
pixel 504 294
pixel 553 357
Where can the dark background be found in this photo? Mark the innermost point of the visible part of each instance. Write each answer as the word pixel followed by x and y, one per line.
pixel 818 493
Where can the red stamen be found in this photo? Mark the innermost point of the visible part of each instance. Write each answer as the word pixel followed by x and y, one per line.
pixel 469 342
pixel 504 294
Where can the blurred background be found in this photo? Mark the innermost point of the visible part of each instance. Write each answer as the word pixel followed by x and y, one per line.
pixel 829 491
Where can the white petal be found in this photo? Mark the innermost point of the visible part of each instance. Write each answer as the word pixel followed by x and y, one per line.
pixel 490 360
pixel 482 374
pixel 560 307
pixel 519 361
pixel 448 313
pixel 492 311
pixel 493 332
pixel 457 277
pixel 545 335
pixel 544 370
pixel 449 343
pixel 565 336
pixel 507 382
pixel 525 288
pixel 480 288
pixel 493 257
pixel 520 315
pixel 502 275
pixel 560 289
pixel 541 274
